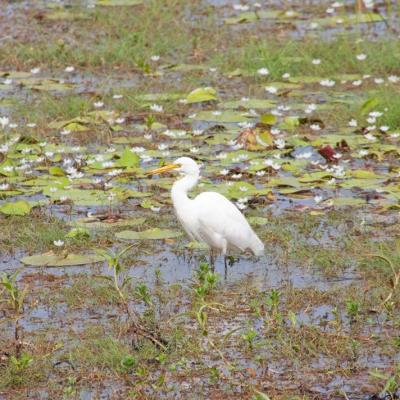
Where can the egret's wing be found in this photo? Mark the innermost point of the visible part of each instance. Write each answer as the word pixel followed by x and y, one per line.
pixel 218 216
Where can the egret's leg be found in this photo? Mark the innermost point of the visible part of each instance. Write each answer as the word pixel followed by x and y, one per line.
pixel 226 266
pixel 212 259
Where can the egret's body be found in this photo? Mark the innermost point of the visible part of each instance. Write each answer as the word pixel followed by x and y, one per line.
pixel 210 217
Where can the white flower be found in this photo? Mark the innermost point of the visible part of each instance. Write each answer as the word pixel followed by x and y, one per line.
pixel 336 4
pixel 363 153
pixel 286 75
pixel 361 57
pixel 137 149
pixel 263 71
pixel 260 173
pixel 314 25
pixel 155 209
pixel 156 108
pixel 224 172
pixel 371 120
pixel 4 121
pixel 394 135
pixel 58 243
pixel 353 123
pixel 369 136
pixel 271 89
pixel 304 155
pixel 241 7
pixel 7 81
pixel 279 143
pixel 4 148
pixel 316 61
pixel 120 120
pixel 98 104
pixel 384 128
pixel 327 82
pixel 240 206
pixel 243 188
pixel 236 176
pixel 318 199
pixel 357 83
pixel 107 164
pixel 65 132
pixel 35 71
pixel 69 69
pixel 162 146
pixel 4 186
pixel 197 132
pixel 212 69
pixel 315 127
pixel 13 125
pixel 155 58
pixel 217 112
pixel 31 125
pixel 244 99
pixel 330 10
pixel 117 96
pixel 393 78
pixel 111 196
pixel 379 81
pixel 375 114
pixel 275 131
pixel 194 150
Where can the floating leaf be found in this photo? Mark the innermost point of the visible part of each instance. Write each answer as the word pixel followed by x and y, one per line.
pixel 268 119
pixel 51 259
pixel 128 159
pixel 20 207
pixel 116 3
pixel 201 94
pixel 149 234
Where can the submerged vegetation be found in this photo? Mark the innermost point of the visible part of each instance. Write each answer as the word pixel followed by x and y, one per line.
pixel 293 111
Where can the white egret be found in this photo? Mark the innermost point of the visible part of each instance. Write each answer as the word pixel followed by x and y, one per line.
pixel 210 217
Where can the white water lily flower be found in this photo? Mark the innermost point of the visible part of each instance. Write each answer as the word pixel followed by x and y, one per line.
pixel 241 206
pixel 241 7
pixel 155 58
pixel 260 173
pixel 286 75
pixel 236 176
pixel 316 61
pixel 263 71
pixel 107 164
pixel 375 114
pixel 216 112
pixel 156 108
pixel 371 120
pixel 315 127
pixel 4 186
pixel 198 132
pixel 357 83
pixel 98 104
pixel 361 57
pixel 369 136
pixel 363 153
pixel 330 10
pixel 275 131
pixel 279 143
pixel 393 78
pixel 222 156
pixel 243 188
pixel 353 123
pixel 318 199
pixel 384 128
pixel 35 71
pixel 314 25
pixel 4 148
pixel 4 121
pixel 327 82
pixel 244 99
pixel 394 135
pixel 305 155
pixel 117 96
pixel 31 125
pixel 7 81
pixel 224 172
pixel 271 89
pixel 69 69
pixel 137 149
pixel 162 146
pixel 379 81
pixel 58 243
pixel 194 150
pixel 155 209
pixel 65 132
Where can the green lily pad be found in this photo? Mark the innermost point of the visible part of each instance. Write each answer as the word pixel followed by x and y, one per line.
pixel 96 223
pixel 149 234
pixel 120 3
pixel 221 117
pixel 201 94
pixel 51 259
pixel 20 207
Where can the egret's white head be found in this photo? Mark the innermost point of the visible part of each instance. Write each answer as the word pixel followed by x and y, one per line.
pixel 187 166
pixel 183 165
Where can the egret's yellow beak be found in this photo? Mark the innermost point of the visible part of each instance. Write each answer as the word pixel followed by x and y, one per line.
pixel 161 170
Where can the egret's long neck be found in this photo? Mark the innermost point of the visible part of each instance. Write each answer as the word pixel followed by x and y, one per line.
pixel 180 189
